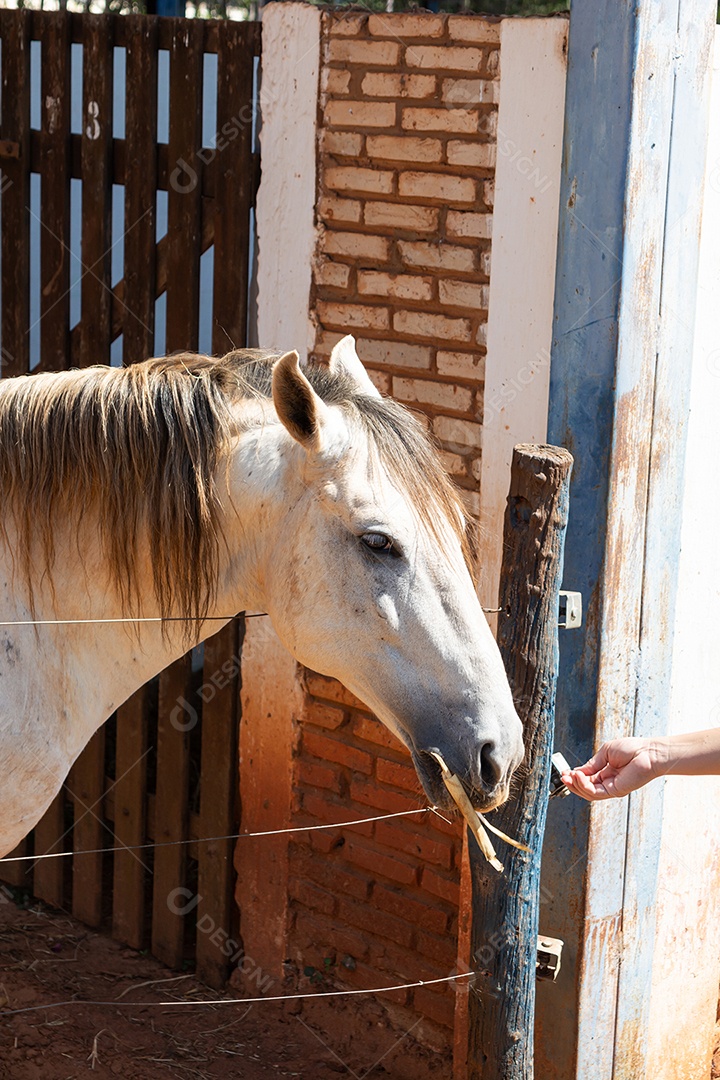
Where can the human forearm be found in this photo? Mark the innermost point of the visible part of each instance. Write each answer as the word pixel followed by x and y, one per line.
pixel 695 753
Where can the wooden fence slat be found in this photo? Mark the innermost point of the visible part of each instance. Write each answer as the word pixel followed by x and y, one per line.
pixel 218 798
pixel 15 192
pixel 140 187
pixel 16 874
pixel 96 165
pixel 85 786
pixel 185 186
pixel 505 907
pixel 234 188
pixel 55 192
pixel 48 874
pixel 130 820
pixel 171 813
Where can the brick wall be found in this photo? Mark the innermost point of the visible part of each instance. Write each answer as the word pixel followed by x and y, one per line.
pixel 405 192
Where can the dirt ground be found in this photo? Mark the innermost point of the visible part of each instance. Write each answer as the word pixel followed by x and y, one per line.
pixel 46 956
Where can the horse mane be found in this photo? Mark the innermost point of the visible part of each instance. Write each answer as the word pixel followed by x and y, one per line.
pixel 142 445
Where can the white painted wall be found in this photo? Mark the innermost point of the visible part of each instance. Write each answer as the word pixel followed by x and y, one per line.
pixel 285 212
pixel 522 278
pixel 686 972
pixel 272 698
pixel 522 284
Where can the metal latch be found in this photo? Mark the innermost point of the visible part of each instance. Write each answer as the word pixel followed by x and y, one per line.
pixel 549 957
pixel 558 766
pixel 570 613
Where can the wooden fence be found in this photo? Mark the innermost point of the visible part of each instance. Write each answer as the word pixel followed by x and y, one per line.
pixel 165 767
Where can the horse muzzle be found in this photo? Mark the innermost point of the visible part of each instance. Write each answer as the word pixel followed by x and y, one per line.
pixel 488 787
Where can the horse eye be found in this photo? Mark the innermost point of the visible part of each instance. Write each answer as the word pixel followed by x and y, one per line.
pixel 379 542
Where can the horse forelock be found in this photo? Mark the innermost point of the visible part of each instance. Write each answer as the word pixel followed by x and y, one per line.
pixel 142 447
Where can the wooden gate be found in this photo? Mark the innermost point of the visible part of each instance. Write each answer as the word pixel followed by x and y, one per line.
pixel 148 125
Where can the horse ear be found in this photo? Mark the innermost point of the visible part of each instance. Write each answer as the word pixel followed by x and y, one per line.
pixel 344 357
pixel 299 408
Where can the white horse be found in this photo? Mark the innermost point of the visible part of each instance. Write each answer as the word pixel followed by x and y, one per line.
pixel 197 487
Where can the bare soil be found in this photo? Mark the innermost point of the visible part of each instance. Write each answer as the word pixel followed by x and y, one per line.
pixel 46 956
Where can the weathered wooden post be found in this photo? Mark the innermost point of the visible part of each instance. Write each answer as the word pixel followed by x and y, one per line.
pixel 506 906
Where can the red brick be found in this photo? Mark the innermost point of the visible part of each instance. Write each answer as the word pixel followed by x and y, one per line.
pixel 474 28
pixel 470 91
pixel 378 862
pixel 441 949
pixel 438 885
pixel 397 354
pixel 357 245
pixel 320 807
pixel 407 965
pixel 329 749
pixel 326 716
pixel 335 81
pixel 329 689
pixel 444 58
pixel 422 915
pixel 364 977
pixel 450 429
pixel 346 25
pixel 366 53
pixel 464 294
pixel 454 465
pixel 352 316
pixel 372 730
pixel 369 918
pixel 332 876
pixel 425 848
pixel 461 365
pixel 402 776
pixel 446 396
pixel 352 178
pixel 401 216
pixel 332 275
pixel 439 1007
pixel 448 189
pixel 312 896
pixel 319 776
pixel 476 154
pixel 404 148
pixel 344 939
pixel 401 25
pixel 477 226
pixel 341 143
pixel 398 85
pixel 325 840
pixel 332 208
pixel 492 63
pixel 381 380
pixel 459 121
pixel 366 114
pixel 435 327
pixel 437 256
pixel 399 286
pixel 382 799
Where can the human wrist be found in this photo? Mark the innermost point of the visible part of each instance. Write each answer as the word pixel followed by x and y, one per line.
pixel 662 755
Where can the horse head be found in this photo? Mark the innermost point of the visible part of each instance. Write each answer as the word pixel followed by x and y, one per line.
pixel 366 577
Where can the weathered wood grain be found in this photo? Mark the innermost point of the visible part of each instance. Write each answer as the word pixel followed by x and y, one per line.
pixel 505 907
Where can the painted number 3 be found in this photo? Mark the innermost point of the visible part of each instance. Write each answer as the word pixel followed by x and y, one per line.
pixel 92 129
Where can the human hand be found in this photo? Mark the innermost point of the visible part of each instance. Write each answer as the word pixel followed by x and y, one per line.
pixel 619 767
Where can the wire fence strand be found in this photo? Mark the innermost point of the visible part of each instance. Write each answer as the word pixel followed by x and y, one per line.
pixel 235 1001
pixel 217 839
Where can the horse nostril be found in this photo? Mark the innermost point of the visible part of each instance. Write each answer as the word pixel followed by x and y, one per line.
pixel 490 771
